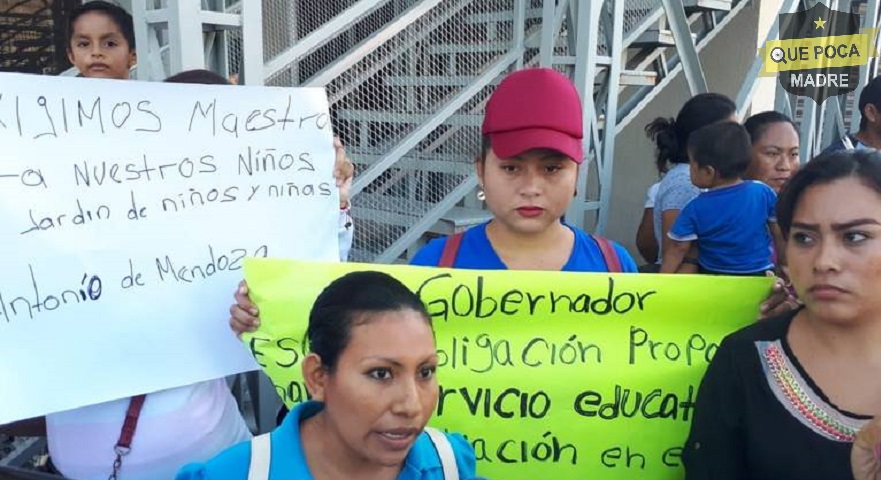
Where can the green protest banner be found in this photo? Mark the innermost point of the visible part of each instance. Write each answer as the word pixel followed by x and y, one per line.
pixel 547 374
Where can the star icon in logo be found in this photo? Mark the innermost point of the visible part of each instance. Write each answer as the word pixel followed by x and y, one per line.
pixel 820 23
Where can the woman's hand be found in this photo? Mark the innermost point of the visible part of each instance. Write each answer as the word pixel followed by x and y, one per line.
pixel 780 300
pixel 243 313
pixel 865 455
pixel 343 172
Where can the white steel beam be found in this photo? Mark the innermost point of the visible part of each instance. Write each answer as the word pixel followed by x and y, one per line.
pixel 688 57
pixel 185 35
pixel 252 43
pixel 587 24
pixel 611 111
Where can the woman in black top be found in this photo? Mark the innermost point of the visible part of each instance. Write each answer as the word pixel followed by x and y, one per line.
pixel 785 398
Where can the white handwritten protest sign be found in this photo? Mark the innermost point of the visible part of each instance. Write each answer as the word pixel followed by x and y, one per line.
pixel 126 209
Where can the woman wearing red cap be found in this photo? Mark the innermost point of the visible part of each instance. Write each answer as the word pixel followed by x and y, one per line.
pixel 527 171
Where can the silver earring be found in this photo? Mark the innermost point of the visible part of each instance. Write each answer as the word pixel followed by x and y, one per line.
pixel 481 195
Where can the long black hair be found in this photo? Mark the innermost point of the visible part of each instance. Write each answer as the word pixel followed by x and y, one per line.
pixel 671 135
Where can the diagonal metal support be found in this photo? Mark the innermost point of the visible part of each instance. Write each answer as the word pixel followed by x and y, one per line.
pixel 427 220
pixel 634 105
pixel 691 64
pixel 376 67
pixel 372 43
pixel 322 35
pixel 497 68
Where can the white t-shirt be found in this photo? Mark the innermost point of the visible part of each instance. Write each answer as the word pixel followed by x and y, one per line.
pixel 176 426
pixel 651 195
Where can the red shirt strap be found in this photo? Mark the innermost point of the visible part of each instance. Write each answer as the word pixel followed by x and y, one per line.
pixel 610 255
pixel 127 434
pixel 451 251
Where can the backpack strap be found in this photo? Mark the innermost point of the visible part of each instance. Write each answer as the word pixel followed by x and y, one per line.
pixel 261 457
pixel 610 256
pixel 444 452
pixel 451 251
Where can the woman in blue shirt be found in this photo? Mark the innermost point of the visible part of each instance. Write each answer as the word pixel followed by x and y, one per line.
pixel 527 171
pixel 371 376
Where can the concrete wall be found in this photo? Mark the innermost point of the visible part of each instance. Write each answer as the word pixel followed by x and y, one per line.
pixel 725 61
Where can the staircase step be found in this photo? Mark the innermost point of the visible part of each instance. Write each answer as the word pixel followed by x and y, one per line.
pixel 656 38
pixel 434 162
pixel 629 77
pixel 459 219
pixel 696 6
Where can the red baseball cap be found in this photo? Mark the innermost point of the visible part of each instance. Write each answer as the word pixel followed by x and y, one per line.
pixel 535 108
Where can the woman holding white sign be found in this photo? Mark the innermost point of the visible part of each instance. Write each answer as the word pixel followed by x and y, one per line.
pixel 370 372
pixel 148 436
pixel 787 397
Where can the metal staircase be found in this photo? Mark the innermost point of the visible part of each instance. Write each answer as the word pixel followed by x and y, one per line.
pixel 408 82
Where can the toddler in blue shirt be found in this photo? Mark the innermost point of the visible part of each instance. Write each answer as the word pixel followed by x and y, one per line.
pixel 733 221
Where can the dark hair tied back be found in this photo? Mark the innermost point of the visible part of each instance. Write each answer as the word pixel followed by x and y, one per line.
pixel 661 131
pixel 671 136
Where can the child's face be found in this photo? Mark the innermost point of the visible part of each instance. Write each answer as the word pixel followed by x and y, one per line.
pixel 99 49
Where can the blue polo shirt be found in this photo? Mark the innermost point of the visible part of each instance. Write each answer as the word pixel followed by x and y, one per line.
pixel 730 225
pixel 289 461
pixel 477 253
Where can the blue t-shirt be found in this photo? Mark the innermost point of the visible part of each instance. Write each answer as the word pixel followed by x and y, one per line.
pixel 477 253
pixel 288 461
pixel 731 227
